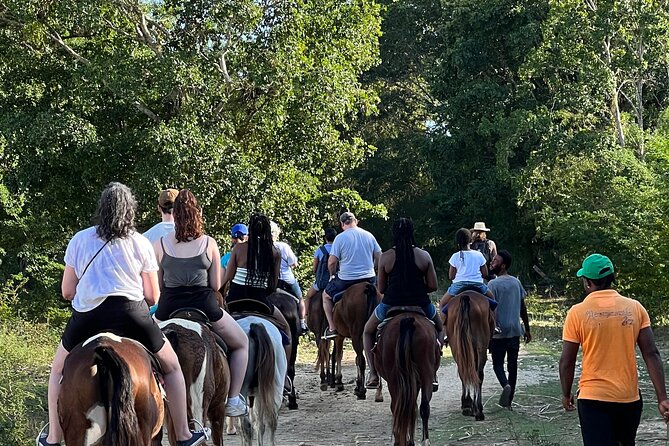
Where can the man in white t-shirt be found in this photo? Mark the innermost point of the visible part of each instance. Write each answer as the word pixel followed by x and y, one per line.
pixel 165 205
pixel 354 253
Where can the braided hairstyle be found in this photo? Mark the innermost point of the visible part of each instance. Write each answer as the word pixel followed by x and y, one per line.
pixel 404 241
pixel 115 214
pixel 463 238
pixel 188 224
pixel 260 254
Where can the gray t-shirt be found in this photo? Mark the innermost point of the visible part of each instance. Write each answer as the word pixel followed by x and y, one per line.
pixel 509 292
pixel 355 250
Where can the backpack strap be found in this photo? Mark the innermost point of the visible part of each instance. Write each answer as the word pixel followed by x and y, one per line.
pixel 324 251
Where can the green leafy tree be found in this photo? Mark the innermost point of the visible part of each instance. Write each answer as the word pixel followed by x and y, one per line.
pixel 251 104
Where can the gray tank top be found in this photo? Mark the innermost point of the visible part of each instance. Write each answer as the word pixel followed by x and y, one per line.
pixel 185 271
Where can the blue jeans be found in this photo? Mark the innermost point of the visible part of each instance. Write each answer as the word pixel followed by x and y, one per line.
pixel 457 287
pixel 382 309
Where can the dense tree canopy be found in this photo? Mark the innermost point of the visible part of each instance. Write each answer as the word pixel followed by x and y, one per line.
pixel 545 119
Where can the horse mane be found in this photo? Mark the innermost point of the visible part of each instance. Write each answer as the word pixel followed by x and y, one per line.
pixel 466 354
pixel 116 393
pixel 404 404
pixel 265 369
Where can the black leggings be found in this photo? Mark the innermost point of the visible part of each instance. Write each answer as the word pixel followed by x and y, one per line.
pixel 609 424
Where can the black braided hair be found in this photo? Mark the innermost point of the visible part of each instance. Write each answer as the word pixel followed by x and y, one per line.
pixel 404 241
pixel 463 238
pixel 260 254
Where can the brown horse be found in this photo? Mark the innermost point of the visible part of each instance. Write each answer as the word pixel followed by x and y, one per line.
pixel 351 313
pixel 317 323
pixel 206 373
pixel 288 305
pixel 469 327
pixel 109 395
pixel 407 357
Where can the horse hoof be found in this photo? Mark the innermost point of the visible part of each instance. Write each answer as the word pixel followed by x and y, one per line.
pixel 378 399
pixel 467 412
pixel 339 388
pixel 480 417
pixel 292 405
pixel 324 386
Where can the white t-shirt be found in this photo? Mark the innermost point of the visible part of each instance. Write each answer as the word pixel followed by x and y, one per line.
pixel 468 265
pixel 288 258
pixel 159 230
pixel 355 250
pixel 116 271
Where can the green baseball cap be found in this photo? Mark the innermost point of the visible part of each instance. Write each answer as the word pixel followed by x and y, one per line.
pixel 595 266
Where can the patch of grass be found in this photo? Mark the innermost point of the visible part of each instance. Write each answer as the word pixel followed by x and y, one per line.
pixel 537 419
pixel 26 350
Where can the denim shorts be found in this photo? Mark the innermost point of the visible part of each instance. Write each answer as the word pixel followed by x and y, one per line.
pixel 457 287
pixel 382 309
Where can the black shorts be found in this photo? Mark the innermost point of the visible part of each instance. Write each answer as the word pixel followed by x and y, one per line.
pixel 239 292
pixel 200 297
pixel 118 315
pixel 609 424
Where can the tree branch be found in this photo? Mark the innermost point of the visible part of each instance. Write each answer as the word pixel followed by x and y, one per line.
pixel 144 109
pixel 222 67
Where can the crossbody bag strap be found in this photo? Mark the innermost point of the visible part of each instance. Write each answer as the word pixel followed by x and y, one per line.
pixel 93 258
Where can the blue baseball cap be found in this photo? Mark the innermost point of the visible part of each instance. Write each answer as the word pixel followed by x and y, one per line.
pixel 239 230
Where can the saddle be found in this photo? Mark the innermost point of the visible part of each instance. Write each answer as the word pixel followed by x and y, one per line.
pixel 242 308
pixel 196 315
pixel 396 311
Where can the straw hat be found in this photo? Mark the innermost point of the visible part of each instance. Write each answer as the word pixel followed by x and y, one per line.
pixel 480 226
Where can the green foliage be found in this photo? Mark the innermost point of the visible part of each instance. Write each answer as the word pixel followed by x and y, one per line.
pixel 25 353
pixel 253 105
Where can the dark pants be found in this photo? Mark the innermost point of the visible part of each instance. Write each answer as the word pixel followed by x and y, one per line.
pixel 609 424
pixel 505 347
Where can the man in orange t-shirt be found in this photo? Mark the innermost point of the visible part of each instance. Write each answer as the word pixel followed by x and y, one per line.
pixel 608 326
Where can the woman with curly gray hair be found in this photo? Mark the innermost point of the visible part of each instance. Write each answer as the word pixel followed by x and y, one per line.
pixel 110 275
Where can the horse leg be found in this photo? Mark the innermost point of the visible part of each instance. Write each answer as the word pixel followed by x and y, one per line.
pixel 466 402
pixel 292 396
pixel 478 404
pixel 378 397
pixel 339 348
pixel 425 398
pixel 361 390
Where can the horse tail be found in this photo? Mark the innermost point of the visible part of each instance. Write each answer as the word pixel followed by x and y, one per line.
pixel 370 291
pixel 117 396
pixel 408 376
pixel 468 360
pixel 265 367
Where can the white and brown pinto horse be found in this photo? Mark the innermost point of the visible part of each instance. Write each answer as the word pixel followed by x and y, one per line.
pixel 206 373
pixel 109 395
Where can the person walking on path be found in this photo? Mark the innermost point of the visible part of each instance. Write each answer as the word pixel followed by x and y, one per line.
pixel 165 206
pixel 608 326
pixel 510 296
pixel 355 252
pixel 481 244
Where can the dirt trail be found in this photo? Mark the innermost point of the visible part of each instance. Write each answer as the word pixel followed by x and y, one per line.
pixel 329 418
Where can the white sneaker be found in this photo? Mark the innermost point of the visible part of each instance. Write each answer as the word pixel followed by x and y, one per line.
pixel 236 410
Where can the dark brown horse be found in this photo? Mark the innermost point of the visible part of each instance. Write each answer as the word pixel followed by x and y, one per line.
pixel 407 357
pixel 206 373
pixel 317 323
pixel 289 307
pixel 350 315
pixel 469 327
pixel 109 395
